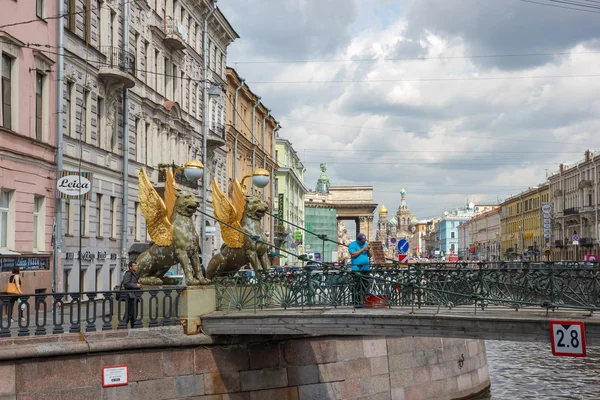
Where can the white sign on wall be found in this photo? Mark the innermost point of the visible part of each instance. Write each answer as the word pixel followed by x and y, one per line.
pixel 115 376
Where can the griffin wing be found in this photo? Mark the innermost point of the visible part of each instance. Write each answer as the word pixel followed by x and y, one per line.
pixel 239 199
pixel 226 212
pixel 170 193
pixel 155 212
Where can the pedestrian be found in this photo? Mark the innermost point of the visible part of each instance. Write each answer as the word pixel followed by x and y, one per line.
pixel 360 252
pixel 14 287
pixel 130 282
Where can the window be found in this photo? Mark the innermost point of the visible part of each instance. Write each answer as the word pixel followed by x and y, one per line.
pixel 111 273
pixel 98 275
pixel 99 216
pixel 138 141
pixel 39 8
pixel 70 211
pixel 84 116
pixel 66 280
pixel 4 211
pixel 589 198
pixel 148 144
pixel 451 235
pixel 137 222
pixel 72 15
pixel 136 39
pixel 87 20
pixel 6 91
pixel 147 66
pixel 39 104
pixel 85 213
pixel 174 89
pixel 68 106
pixel 100 122
pixel 82 279
pixel 156 56
pixel 99 21
pixel 113 217
pixel 38 223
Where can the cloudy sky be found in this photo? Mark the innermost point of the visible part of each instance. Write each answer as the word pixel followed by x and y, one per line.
pixel 456 100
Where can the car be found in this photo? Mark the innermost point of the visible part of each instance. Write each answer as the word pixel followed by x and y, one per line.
pixel 312 265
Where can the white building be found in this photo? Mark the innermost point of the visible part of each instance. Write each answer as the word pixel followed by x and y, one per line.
pixel 132 100
pixel 479 238
pixel 574 194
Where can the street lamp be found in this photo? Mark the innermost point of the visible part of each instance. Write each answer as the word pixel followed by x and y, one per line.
pixel 193 170
pixel 260 178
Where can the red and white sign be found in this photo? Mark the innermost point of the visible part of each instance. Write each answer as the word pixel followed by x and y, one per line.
pixel 115 376
pixel 403 258
pixel 567 338
pixel 453 258
pixel 591 257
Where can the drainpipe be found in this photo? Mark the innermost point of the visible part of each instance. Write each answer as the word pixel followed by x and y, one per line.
pixel 235 126
pixel 273 224
pixel 205 126
pixel 264 145
pixel 595 180
pixel 57 245
pixel 253 137
pixel 124 255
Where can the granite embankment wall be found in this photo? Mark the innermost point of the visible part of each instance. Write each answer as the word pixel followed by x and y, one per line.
pixel 165 364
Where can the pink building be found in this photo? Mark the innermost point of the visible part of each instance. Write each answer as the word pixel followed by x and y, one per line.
pixel 27 141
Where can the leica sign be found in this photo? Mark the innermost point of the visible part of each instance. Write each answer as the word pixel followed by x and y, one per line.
pixel 74 185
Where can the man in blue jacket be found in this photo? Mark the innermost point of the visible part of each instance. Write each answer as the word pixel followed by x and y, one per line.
pixel 360 252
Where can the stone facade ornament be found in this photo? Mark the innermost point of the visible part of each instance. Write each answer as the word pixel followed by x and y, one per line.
pixel 323 182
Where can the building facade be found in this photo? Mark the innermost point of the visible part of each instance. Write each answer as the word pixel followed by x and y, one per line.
pixel 133 99
pixel 402 225
pixel 27 142
pixel 522 224
pixel 575 203
pixel 479 238
pixel 290 202
pixel 251 139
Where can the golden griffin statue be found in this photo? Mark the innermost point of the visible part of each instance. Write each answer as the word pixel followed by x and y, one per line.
pixel 172 230
pixel 244 213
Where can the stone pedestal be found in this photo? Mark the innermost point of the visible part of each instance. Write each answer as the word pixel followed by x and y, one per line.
pixel 195 302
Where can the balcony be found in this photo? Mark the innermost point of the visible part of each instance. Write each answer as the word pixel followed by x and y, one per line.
pixel 558 243
pixel 176 35
pixel 179 178
pixel 216 136
pixel 586 183
pixel 586 242
pixel 119 67
pixel 571 211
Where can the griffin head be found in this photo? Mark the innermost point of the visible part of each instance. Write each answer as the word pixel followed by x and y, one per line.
pixel 186 203
pixel 255 208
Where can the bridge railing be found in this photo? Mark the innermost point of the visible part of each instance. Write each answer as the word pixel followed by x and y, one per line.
pixel 56 313
pixel 481 285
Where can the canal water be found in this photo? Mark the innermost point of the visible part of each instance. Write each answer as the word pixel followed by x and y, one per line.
pixel 530 371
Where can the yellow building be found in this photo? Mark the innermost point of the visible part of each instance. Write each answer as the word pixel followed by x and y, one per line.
pixel 250 139
pixel 521 224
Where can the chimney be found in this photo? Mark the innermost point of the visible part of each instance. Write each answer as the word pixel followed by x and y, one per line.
pixel 587 155
pixel 561 167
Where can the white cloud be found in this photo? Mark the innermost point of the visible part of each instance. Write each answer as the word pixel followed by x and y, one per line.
pixel 444 141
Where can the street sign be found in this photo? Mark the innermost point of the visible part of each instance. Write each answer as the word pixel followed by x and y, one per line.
pixel 403 246
pixel 547 221
pixel 547 216
pixel 575 237
pixel 567 338
pixel 546 208
pixel 393 240
pixel 403 258
pixel 591 257
pixel 547 226
pixel 547 235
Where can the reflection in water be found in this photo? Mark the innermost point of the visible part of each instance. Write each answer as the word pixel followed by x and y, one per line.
pixel 530 371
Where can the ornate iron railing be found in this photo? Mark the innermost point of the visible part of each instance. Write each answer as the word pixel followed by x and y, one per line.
pixel 513 285
pixel 117 58
pixel 88 311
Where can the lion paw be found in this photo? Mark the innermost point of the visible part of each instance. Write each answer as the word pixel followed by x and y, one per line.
pixel 151 281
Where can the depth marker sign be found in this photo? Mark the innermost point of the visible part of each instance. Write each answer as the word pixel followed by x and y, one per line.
pixel 567 338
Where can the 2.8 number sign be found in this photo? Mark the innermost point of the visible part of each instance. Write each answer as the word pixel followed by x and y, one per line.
pixel 567 338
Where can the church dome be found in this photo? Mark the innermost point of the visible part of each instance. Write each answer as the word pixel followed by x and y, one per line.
pixel 403 191
pixel 383 210
pixel 414 220
pixel 393 222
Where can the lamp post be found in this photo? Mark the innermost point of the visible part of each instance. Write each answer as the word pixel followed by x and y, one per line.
pixel 260 178
pixel 193 170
